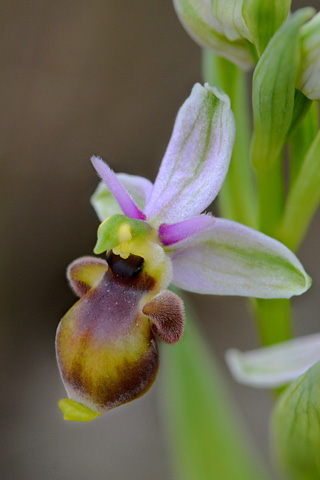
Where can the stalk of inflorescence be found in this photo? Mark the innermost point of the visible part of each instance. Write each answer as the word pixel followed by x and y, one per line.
pixel 276 107
pixel 238 199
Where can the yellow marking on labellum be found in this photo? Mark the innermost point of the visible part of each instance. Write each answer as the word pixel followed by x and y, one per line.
pixel 98 352
pixel 76 411
pixel 91 274
pixel 103 365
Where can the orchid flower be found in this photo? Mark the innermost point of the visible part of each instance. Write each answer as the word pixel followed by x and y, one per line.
pixel 275 365
pixel 154 236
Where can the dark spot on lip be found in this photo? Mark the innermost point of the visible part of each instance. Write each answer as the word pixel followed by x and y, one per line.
pixel 125 269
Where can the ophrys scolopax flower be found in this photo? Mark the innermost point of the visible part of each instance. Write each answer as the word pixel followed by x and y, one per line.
pixel 155 235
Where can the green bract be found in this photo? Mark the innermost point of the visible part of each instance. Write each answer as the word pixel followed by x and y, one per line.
pixel 263 18
pixel 296 427
pixel 274 84
pixel 303 198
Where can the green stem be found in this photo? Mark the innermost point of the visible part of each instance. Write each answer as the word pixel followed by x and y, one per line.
pixel 237 199
pixel 271 196
pixel 274 316
pixel 273 320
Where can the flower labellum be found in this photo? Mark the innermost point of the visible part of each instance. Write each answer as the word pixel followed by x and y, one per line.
pixel 106 347
pixel 155 235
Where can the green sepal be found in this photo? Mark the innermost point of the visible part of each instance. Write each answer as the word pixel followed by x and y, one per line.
pixel 296 427
pixel 108 231
pixel 274 84
pixel 263 18
pixel 104 202
pixel 76 411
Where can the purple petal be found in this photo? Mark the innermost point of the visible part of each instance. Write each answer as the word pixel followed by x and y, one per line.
pixel 231 259
pixel 197 158
pixel 126 203
pixel 106 205
pixel 176 232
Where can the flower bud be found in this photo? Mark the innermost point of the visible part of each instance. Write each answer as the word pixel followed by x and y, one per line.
pixel 309 78
pixel 219 26
pixel 273 90
pixel 296 427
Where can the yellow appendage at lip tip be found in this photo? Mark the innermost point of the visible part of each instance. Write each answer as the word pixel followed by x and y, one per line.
pixel 76 411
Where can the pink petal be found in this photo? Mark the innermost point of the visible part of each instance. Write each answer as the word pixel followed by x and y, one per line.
pixel 104 203
pixel 126 203
pixel 176 232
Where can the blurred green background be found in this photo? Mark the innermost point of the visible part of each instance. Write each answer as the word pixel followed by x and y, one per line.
pixel 79 78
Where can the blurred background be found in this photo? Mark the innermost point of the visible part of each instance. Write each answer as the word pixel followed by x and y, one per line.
pixel 79 78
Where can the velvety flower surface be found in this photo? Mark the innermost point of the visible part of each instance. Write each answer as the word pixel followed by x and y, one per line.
pixel 106 349
pixel 155 235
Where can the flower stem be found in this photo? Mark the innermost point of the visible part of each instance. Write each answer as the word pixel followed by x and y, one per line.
pixel 271 196
pixel 237 198
pixel 274 317
pixel 273 320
